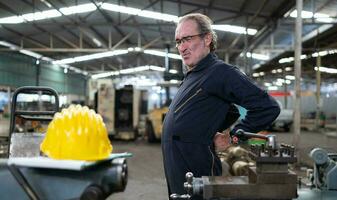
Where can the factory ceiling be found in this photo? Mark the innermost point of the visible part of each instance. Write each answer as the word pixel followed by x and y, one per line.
pixel 113 35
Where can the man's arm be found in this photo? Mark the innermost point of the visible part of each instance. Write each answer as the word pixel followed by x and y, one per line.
pixel 262 109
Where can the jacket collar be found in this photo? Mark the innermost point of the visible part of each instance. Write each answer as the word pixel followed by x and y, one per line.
pixel 204 63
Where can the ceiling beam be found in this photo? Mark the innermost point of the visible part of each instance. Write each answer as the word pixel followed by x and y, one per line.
pixel 201 6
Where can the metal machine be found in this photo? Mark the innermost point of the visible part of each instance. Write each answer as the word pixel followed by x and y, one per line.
pixel 322 184
pixel 24 174
pixel 154 124
pixel 269 179
pixel 120 110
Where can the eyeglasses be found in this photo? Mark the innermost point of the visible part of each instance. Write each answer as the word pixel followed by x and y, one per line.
pixel 187 39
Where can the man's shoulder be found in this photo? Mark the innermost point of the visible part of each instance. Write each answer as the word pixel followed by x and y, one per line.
pixel 220 65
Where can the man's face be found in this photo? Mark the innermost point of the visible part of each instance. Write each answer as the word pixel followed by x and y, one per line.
pixel 191 45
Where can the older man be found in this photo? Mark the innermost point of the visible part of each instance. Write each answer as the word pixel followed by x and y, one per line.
pixel 197 113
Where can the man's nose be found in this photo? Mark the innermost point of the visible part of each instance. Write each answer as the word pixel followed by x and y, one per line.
pixel 182 47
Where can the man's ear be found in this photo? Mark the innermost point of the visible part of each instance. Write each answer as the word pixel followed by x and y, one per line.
pixel 208 39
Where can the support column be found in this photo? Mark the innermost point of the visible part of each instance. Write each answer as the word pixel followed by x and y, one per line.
pixel 298 52
pixel 318 91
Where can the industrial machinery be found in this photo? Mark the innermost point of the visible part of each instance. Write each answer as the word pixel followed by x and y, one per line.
pixel 120 110
pixel 154 124
pixel 25 174
pixel 322 183
pixel 325 169
pixel 269 179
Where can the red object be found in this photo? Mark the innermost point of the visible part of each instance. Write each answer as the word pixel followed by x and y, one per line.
pixel 235 140
pixel 279 94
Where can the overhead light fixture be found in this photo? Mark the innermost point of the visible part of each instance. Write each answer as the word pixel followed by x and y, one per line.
pixel 78 9
pixel 173 71
pixel 256 74
pixel 46 3
pixel 97 42
pixel 307 15
pixel 48 14
pixel 129 71
pixel 286 60
pixel 290 77
pixel 90 57
pixel 139 12
pixel 162 54
pixel 30 53
pixel 256 56
pixel 9 45
pixel 326 70
pixel 235 29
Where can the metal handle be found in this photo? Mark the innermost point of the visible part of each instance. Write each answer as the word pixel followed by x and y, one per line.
pixel 31 89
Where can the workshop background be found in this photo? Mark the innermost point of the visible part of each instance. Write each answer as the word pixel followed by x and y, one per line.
pixel 118 57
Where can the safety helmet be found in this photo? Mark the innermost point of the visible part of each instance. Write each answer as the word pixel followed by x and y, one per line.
pixel 76 133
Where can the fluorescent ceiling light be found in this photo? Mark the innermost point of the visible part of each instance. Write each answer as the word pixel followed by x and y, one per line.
pixel 162 54
pixel 173 71
pixel 286 60
pixel 303 56
pixel 9 45
pixel 290 77
pixel 156 68
pixel 97 42
pixel 128 71
pixel 48 14
pixel 46 2
pixel 90 57
pixel 30 53
pixel 256 74
pixel 257 56
pixel 318 16
pixel 114 53
pixel 78 9
pixel 41 15
pixel 234 29
pixel 11 20
pixel 327 70
pixel 139 12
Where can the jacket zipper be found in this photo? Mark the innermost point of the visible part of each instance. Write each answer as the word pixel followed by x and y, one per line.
pixel 187 100
pixel 212 169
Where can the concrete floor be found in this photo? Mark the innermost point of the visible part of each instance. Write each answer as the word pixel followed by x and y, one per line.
pixel 146 174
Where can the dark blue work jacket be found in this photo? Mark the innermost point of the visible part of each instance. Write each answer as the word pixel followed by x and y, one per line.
pixel 198 111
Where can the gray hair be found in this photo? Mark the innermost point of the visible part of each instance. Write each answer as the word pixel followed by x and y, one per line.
pixel 204 24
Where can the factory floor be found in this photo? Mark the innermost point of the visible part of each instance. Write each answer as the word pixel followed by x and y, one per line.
pixel 146 175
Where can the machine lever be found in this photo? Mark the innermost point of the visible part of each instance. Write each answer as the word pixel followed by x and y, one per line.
pixel 179 197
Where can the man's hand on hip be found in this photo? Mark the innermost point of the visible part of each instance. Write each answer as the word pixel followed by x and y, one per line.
pixel 221 141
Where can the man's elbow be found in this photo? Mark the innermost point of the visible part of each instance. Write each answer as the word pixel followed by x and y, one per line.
pixel 276 111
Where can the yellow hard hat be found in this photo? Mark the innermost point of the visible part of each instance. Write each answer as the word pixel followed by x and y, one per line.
pixel 77 133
